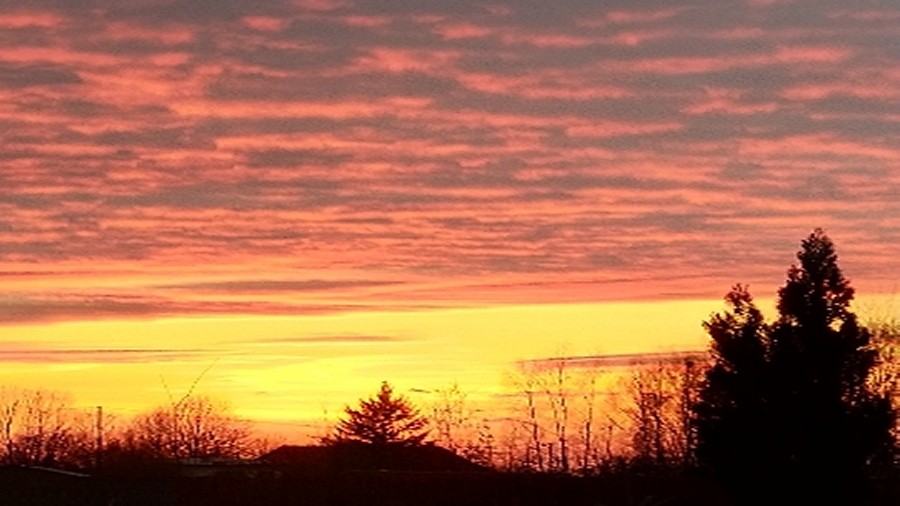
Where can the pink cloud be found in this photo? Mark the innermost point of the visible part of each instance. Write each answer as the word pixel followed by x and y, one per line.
pixel 30 19
pixel 817 144
pixel 641 16
pixel 873 90
pixel 548 40
pixel 264 23
pixel 319 5
pixel 367 21
pixel 516 145
pixel 811 54
pixel 637 37
pixel 453 31
pixel 393 60
pixel 543 86
pixel 611 128
pixel 874 14
pixel 167 35
pixel 728 101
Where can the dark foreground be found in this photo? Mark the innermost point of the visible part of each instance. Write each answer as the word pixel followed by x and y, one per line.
pixel 280 487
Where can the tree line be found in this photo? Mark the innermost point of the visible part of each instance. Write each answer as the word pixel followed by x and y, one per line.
pixel 802 409
pixel 809 397
pixel 41 427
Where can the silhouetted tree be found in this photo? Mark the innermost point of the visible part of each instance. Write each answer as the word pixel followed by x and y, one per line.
pixel 788 406
pixel 733 426
pixel 561 419
pixel 458 427
pixel 39 427
pixel 195 426
pixel 382 419
pixel 450 418
pixel 834 423
pixel 885 378
pixel 662 422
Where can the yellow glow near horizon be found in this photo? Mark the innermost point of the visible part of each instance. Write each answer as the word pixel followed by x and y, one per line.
pixel 302 368
pixel 262 351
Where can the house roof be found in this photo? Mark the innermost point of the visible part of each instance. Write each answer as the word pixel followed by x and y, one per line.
pixel 368 457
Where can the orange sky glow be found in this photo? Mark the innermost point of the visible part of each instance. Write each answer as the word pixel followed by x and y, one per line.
pixel 295 200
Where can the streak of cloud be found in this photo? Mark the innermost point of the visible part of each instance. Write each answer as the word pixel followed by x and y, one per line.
pixel 80 307
pixel 320 340
pixel 96 356
pixel 616 361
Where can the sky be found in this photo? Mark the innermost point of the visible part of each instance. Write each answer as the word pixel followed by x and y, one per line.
pixel 286 202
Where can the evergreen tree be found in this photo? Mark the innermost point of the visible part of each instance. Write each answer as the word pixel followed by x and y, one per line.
pixel 382 419
pixel 731 412
pixel 787 406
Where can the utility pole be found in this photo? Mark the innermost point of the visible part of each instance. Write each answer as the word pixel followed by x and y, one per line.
pixel 98 443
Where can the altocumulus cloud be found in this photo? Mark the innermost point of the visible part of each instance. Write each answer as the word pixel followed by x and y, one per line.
pixel 452 145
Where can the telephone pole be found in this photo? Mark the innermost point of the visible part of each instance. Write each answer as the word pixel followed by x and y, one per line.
pixel 98 442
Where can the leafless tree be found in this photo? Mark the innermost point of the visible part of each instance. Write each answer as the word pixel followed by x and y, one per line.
pixel 450 418
pixel 557 389
pixel 885 376
pixel 195 426
pixel 528 383
pixel 40 427
pixel 662 397
pixel 572 426
pixel 460 427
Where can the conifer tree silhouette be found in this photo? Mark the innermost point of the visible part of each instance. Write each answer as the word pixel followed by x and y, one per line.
pixel 382 419
pixel 786 406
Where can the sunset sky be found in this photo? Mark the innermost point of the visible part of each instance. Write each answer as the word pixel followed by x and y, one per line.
pixel 298 199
